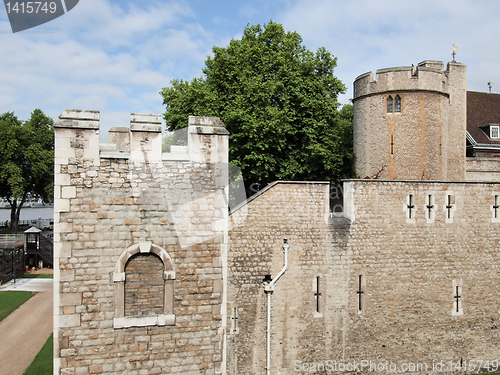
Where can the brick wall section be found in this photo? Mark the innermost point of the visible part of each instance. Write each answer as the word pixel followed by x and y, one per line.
pixel 409 270
pixel 298 212
pixel 144 285
pixel 105 205
pixel 483 169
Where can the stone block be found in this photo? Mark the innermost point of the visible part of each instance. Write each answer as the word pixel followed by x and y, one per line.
pixel 70 299
pixel 66 321
pixel 66 275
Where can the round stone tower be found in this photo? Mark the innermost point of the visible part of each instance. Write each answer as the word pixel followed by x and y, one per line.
pixel 410 122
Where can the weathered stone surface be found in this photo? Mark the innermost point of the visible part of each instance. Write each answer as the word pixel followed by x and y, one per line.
pixel 105 205
pixel 387 284
pixel 425 140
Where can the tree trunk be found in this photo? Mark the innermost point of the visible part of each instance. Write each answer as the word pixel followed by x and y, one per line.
pixel 15 212
pixel 13 209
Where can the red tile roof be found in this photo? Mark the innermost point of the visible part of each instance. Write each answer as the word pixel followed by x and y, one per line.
pixel 482 109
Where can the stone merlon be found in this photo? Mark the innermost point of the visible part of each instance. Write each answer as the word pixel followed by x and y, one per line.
pixel 142 141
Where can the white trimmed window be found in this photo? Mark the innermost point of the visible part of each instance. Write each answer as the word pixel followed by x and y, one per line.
pixel 495 132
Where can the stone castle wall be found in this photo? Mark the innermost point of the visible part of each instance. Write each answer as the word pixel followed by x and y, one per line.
pixel 411 267
pixel 483 169
pixel 425 140
pixel 298 212
pixel 124 206
pixel 387 278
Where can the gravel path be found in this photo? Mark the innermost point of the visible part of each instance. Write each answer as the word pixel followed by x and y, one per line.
pixel 24 332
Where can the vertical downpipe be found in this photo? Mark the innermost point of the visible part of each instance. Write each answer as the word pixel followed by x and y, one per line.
pixel 269 289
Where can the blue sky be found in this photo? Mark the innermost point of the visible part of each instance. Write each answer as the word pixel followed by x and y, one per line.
pixel 115 56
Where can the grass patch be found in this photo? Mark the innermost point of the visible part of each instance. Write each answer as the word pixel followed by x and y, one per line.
pixel 43 363
pixel 35 276
pixel 8 231
pixel 11 300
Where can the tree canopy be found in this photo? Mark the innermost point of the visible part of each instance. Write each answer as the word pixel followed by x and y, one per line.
pixel 26 160
pixel 279 102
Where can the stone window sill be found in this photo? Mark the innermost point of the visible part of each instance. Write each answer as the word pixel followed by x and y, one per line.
pixel 144 321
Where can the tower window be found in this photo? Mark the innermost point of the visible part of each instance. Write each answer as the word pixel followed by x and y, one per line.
pixel 397 104
pixel 390 102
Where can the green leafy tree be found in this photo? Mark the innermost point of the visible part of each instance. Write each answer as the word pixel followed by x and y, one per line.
pixel 26 160
pixel 279 102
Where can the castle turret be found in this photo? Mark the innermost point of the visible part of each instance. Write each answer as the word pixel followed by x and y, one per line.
pixel 409 122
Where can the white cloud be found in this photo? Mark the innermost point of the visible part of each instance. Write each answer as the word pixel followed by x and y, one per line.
pixel 117 24
pixel 115 56
pixel 368 35
pixel 102 55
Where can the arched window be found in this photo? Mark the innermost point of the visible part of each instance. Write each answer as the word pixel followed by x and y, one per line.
pixel 390 104
pixel 397 104
pixel 144 287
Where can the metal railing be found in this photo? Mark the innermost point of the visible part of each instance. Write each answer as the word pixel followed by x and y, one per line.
pixel 9 241
pixel 46 250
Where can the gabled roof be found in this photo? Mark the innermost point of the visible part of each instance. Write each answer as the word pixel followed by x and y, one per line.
pixel 32 230
pixel 482 109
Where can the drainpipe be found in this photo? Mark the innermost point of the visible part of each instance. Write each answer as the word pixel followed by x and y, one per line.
pixel 269 289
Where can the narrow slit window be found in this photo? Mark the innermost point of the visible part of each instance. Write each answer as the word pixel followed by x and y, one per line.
pixel 457 297
pixel 234 321
pixel 397 104
pixel 390 103
pixel 360 293
pixel 317 294
pixel 449 207
pixel 430 207
pixel 410 207
pixel 495 207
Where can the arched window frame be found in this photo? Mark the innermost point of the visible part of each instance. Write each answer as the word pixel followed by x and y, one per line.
pixel 168 316
pixel 397 104
pixel 390 104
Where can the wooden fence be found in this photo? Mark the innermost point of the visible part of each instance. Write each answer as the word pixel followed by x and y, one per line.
pixel 12 263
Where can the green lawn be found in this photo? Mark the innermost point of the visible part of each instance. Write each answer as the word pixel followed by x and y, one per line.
pixel 36 276
pixel 11 300
pixel 43 363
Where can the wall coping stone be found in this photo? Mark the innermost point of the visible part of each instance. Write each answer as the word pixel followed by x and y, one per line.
pixel 78 119
pixel 270 186
pixel 419 181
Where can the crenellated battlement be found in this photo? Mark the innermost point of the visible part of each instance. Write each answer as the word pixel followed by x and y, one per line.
pixel 428 75
pixel 78 137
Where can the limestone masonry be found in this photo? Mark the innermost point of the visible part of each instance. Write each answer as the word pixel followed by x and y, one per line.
pixel 154 275
pixel 140 248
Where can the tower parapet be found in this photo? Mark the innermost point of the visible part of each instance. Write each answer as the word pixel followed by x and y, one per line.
pixel 428 75
pixel 409 122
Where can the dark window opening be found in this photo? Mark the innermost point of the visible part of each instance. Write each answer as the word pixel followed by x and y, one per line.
pixel 397 104
pixel 390 104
